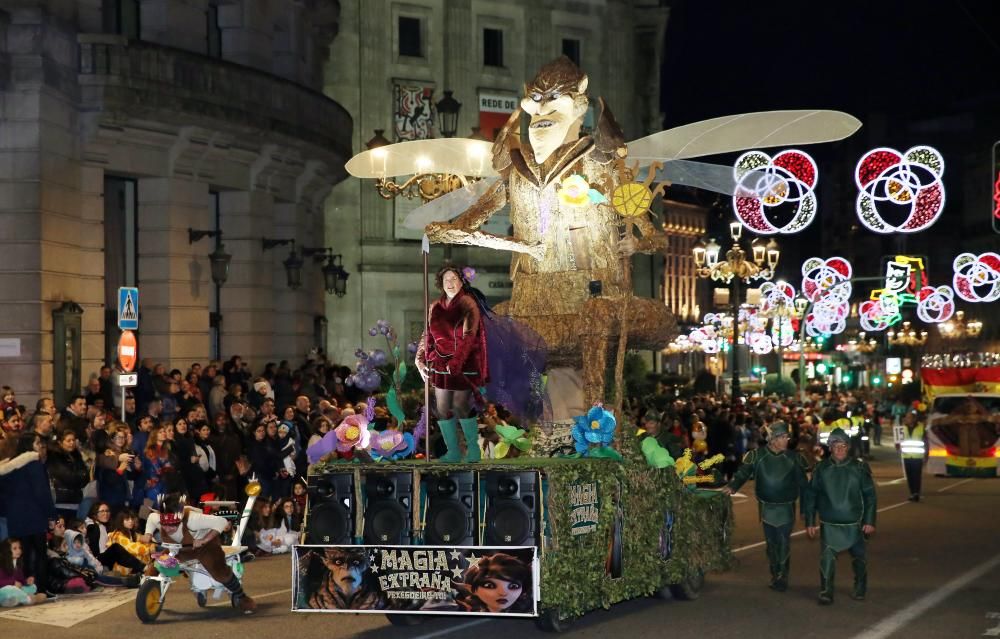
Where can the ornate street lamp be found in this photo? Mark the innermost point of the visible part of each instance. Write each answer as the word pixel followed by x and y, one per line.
pixel 448 108
pixel 218 259
pixel 733 270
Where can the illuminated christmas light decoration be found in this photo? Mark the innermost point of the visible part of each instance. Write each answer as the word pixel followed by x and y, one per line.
pixel 935 305
pixel 782 332
pixel 977 277
pixel 828 317
pixel 776 298
pixel 761 343
pixel 826 278
pixel 763 182
pixel 887 178
pixel 880 314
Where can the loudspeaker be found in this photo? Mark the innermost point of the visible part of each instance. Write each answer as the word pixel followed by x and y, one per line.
pixel 451 509
pixel 511 509
pixel 331 509
pixel 388 508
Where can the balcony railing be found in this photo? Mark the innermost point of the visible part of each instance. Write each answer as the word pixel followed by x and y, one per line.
pixel 143 78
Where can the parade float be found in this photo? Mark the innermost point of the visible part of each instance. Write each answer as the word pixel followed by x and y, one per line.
pixel 574 512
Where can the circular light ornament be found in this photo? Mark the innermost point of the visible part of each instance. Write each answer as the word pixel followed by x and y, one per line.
pixel 760 342
pixel 775 296
pixel 764 183
pixel 826 279
pixel 977 277
pixel 935 305
pixel 888 179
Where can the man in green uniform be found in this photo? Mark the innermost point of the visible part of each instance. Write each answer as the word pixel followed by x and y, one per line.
pixel 780 476
pixel 842 493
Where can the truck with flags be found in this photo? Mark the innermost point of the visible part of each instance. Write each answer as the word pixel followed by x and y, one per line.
pixel 963 420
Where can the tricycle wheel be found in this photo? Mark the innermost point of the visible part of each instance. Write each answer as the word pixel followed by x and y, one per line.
pixel 662 593
pixel 201 598
pixel 234 600
pixel 405 620
pixel 147 601
pixel 548 620
pixel 690 588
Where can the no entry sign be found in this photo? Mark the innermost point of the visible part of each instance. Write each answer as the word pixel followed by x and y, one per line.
pixel 127 351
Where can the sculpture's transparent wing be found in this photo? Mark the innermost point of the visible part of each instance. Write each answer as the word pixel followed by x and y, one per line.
pixel 449 205
pixel 454 156
pixel 743 132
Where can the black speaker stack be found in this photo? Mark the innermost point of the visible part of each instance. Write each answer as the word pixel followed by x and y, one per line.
pixel 459 508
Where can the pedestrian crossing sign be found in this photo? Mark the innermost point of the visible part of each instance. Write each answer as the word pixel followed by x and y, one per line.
pixel 128 308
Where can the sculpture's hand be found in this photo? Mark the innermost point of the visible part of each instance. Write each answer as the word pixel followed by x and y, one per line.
pixel 627 246
pixel 435 230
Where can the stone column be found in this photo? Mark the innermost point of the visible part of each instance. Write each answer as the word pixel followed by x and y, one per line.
pixel 248 321
pixel 247 33
pixel 174 276
pixel 175 23
pixel 51 236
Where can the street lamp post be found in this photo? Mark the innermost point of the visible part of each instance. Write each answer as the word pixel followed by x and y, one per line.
pixel 735 270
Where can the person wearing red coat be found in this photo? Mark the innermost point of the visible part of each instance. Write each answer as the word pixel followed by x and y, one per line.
pixel 452 354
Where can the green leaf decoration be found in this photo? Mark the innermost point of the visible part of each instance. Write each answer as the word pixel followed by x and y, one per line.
pixel 392 401
pixel 501 449
pixel 509 433
pixel 605 452
pixel 656 456
pixel 523 443
pixel 396 351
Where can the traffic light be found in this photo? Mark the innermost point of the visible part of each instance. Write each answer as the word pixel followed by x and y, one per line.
pixel 847 378
pixel 821 368
pixel 876 381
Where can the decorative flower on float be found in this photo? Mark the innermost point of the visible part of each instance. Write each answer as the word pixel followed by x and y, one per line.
pixel 391 445
pixel 593 432
pixel 575 191
pixel 353 434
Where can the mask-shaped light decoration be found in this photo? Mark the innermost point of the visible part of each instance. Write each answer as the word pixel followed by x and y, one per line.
pixel 761 343
pixel 764 183
pixel 878 315
pixel 977 277
pixel 935 305
pixel 900 191
pixel 775 296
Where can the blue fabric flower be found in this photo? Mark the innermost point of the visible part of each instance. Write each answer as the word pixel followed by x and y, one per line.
pixel 596 427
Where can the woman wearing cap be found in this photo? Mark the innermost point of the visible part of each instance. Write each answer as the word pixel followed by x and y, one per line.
pixel 452 355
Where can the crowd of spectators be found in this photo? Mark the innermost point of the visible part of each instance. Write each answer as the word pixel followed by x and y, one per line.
pixel 77 482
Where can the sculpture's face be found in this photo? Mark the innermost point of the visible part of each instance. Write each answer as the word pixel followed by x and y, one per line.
pixel 556 115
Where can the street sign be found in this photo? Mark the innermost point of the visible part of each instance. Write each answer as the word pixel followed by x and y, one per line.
pixel 898 434
pixel 128 308
pixel 128 379
pixel 127 351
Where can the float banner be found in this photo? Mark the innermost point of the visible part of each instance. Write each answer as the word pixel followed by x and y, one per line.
pixel 471 580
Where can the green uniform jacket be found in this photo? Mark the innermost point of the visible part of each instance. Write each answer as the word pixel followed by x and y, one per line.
pixel 780 480
pixel 843 495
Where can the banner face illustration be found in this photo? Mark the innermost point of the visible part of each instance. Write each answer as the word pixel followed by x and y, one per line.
pixel 471 580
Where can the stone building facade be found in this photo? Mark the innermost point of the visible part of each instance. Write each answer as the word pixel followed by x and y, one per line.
pixel 126 122
pixel 483 52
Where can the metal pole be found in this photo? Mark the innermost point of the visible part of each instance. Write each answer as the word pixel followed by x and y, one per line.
pixel 427 381
pixel 123 400
pixel 735 302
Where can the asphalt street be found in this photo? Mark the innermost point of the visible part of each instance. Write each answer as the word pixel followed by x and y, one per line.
pixel 934 572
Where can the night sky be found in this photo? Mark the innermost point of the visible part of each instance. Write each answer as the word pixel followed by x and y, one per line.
pixel 915 73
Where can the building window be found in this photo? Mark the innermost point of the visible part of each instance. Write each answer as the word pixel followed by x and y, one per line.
pixel 410 40
pixel 121 257
pixel 213 32
pixel 122 17
pixel 492 47
pixel 571 49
